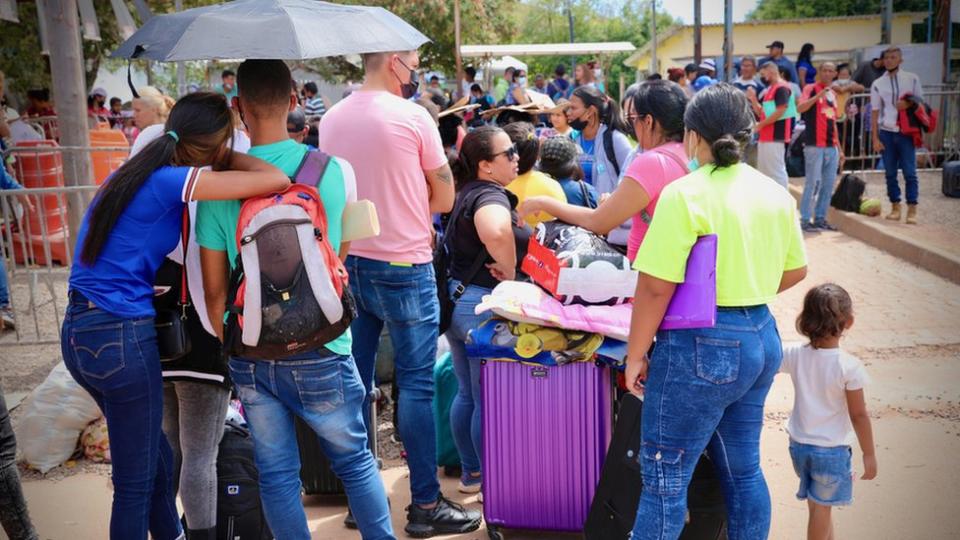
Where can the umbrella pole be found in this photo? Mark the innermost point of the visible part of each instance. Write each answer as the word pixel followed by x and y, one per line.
pixel 456 48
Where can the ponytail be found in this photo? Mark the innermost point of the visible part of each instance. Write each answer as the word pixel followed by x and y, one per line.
pixel 607 109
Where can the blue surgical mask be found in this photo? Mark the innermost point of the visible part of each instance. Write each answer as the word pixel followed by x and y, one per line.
pixel 693 164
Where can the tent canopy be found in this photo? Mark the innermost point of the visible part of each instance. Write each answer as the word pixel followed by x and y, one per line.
pixel 546 49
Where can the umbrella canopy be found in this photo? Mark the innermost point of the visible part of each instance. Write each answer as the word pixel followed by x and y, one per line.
pixel 268 29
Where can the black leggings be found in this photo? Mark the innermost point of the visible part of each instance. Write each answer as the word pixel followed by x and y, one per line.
pixel 13 507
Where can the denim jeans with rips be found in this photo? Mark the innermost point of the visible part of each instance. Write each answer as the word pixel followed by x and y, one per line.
pixel 324 390
pixel 404 298
pixel 117 361
pixel 705 389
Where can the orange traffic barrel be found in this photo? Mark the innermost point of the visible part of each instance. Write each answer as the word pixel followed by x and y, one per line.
pixel 48 220
pixel 107 161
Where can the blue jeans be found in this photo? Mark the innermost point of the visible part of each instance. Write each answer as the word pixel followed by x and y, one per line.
pixel 821 166
pixel 705 389
pixel 465 411
pixel 324 390
pixel 899 152
pixel 4 285
pixel 404 297
pixel 116 360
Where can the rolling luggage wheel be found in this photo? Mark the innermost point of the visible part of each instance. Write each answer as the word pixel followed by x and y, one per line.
pixel 494 533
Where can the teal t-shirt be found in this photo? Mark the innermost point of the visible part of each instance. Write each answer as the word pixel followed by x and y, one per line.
pixel 216 226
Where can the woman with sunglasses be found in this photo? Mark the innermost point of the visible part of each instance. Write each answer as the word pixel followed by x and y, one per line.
pixel 657 117
pixel 482 231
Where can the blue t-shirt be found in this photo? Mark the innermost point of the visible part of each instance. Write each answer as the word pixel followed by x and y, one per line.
pixel 574 191
pixel 120 282
pixel 586 158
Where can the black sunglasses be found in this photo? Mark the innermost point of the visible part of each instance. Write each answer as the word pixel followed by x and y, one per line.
pixel 509 152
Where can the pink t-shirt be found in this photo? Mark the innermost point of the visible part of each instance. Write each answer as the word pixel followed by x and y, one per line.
pixel 390 142
pixel 653 170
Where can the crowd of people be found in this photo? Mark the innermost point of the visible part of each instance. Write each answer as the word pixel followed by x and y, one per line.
pixel 651 173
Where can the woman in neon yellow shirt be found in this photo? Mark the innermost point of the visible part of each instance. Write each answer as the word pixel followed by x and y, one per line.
pixel 705 388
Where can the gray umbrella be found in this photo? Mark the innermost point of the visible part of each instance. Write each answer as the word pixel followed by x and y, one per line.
pixel 282 29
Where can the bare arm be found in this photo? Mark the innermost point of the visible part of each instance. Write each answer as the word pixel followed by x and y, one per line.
pixel 344 251
pixel 495 230
pixel 215 269
pixel 649 304
pixel 777 114
pixel 247 177
pixel 874 127
pixel 441 189
pixel 791 278
pixel 626 201
pixel 857 407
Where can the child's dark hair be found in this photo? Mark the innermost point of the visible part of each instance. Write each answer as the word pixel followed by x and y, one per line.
pixel 827 309
pixel 528 146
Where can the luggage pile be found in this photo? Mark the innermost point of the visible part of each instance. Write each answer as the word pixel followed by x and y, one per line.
pixel 548 384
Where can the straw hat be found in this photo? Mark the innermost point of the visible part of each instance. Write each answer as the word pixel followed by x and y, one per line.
pixel 460 106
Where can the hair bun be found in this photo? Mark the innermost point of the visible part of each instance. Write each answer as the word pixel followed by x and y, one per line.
pixel 726 151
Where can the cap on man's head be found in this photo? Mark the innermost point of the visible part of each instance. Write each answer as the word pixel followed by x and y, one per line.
pixel 296 121
pixel 99 92
pixel 776 45
pixel 557 151
pixel 709 64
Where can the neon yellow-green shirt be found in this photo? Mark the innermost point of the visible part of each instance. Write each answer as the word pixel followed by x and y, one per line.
pixel 757 228
pixel 534 184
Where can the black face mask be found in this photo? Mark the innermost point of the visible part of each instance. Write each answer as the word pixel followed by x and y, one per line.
pixel 408 90
pixel 579 124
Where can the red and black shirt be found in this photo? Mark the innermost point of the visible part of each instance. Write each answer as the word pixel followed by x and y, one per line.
pixel 820 119
pixel 780 130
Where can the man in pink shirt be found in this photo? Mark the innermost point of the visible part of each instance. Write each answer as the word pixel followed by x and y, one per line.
pixel 400 165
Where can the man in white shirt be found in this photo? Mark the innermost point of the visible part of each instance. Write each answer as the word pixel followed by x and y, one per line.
pixel 886 100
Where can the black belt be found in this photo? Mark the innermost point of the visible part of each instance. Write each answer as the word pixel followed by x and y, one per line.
pixel 77 298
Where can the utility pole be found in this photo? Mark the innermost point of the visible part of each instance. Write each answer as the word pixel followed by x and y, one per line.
pixel 456 45
pixel 181 66
pixel 886 23
pixel 654 67
pixel 727 40
pixel 69 90
pixel 697 42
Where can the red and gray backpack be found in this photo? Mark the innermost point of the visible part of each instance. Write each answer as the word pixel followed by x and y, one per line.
pixel 289 291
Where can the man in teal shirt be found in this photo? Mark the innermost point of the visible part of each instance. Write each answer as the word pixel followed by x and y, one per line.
pixel 323 386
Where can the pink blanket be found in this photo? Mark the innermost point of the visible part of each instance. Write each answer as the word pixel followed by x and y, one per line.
pixel 527 302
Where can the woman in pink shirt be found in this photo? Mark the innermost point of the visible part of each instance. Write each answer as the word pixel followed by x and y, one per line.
pixel 657 117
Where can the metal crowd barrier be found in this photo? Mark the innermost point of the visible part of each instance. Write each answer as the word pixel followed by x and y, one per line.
pixel 37 251
pixel 940 145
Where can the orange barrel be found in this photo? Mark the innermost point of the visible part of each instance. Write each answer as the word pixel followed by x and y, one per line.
pixel 41 169
pixel 107 161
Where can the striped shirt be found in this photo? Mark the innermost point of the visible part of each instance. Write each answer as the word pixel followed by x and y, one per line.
pixel 315 107
pixel 821 119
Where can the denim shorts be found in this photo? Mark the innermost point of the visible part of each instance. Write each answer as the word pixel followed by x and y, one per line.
pixel 826 473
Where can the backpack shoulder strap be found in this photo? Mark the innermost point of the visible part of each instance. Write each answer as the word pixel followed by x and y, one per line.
pixel 608 148
pixel 311 169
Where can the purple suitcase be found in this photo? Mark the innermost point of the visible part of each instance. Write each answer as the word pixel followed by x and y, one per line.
pixel 545 435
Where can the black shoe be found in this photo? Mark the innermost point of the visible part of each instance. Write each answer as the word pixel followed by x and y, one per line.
pixel 823 225
pixel 452 471
pixel 350 522
pixel 809 227
pixel 446 518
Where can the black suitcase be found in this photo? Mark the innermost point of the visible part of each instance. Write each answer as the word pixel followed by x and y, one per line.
pixel 951 179
pixel 239 512
pixel 315 473
pixel 614 506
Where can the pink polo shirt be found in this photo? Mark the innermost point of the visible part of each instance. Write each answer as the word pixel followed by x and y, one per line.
pixel 653 170
pixel 390 142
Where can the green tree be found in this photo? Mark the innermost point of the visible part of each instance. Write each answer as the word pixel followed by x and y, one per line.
pixel 789 9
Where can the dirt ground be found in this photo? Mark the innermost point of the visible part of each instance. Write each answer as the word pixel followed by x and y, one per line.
pixel 906 333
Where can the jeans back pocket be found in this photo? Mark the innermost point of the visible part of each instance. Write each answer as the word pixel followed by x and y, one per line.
pixel 718 360
pixel 320 386
pixel 98 350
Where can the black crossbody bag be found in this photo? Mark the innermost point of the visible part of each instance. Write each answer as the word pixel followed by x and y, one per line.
pixel 173 338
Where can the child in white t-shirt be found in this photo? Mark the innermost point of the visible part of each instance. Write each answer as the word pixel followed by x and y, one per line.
pixel 828 408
